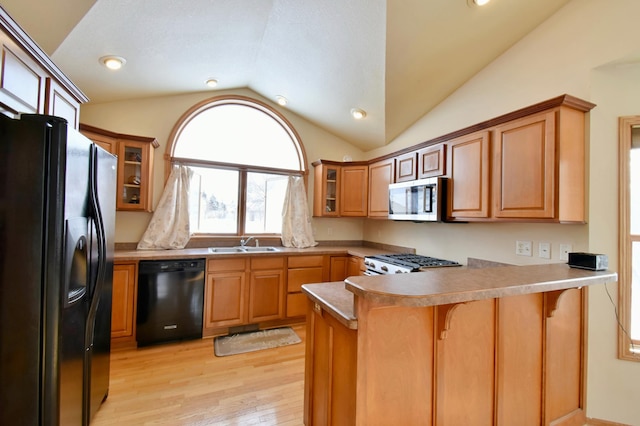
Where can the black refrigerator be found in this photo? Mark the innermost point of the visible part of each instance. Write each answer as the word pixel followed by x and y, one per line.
pixel 57 219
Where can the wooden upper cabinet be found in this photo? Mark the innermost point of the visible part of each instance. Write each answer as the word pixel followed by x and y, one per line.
pixel 431 161
pixel 22 86
pixel 380 176
pixel 468 186
pixel 340 189
pixel 406 167
pixel 524 161
pixel 135 166
pixel 58 102
pixel 326 201
pixel 30 83
pixel 354 185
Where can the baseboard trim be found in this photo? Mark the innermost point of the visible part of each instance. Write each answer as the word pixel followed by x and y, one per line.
pixel 598 422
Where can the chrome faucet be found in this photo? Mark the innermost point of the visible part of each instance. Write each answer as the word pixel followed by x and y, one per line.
pixel 245 241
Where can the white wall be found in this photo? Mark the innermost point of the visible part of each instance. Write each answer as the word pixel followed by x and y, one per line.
pixel 156 117
pixel 561 56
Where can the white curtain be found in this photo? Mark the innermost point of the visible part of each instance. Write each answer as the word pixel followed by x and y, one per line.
pixel 296 221
pixel 169 226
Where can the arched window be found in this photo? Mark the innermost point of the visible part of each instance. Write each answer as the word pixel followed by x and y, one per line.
pixel 242 153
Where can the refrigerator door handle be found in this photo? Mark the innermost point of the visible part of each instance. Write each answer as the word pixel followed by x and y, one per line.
pixel 76 258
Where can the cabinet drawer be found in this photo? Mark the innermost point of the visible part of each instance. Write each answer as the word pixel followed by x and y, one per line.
pixel 267 262
pixel 296 305
pixel 298 276
pixel 305 261
pixel 235 264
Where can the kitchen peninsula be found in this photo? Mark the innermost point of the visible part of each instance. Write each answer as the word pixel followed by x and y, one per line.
pixel 450 346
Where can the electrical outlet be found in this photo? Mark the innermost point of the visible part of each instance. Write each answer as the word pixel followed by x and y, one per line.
pixel 329 231
pixel 544 250
pixel 523 248
pixel 565 249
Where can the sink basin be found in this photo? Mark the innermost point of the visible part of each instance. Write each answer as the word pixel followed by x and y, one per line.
pixel 226 250
pixel 264 249
pixel 260 249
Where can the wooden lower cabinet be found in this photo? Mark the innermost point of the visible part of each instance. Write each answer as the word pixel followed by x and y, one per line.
pixel 125 277
pixel 266 289
pixel 302 270
pixel 330 371
pixel 355 266
pixel 225 293
pixel 243 290
pixel 515 360
pixel 338 268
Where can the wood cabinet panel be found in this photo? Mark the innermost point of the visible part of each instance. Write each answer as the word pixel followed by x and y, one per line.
pixel 225 299
pixel 468 187
pixel 519 367
pixel 431 161
pixel 330 372
pixel 22 82
pixel 465 360
pixel 266 295
pixel 354 191
pixel 302 270
pixel 338 268
pixel 227 264
pixel 355 266
pixel 524 168
pixel 406 167
pixel 123 301
pixel 381 174
pixel 59 103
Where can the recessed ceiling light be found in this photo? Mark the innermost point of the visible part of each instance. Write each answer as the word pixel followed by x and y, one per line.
pixel 358 113
pixel 212 82
pixel 113 62
pixel 281 100
pixel 473 3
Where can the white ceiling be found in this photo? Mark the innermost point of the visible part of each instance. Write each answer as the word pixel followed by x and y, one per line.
pixel 396 59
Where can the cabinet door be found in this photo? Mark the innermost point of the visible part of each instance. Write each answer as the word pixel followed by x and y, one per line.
pixel 406 167
pixel 107 143
pixel 135 176
pixel 468 187
pixel 355 266
pixel 326 186
pixel 354 191
pixel 123 300
pixel 266 295
pixel 58 102
pixel 225 300
pixel 22 80
pixel 381 174
pixel 431 161
pixel 524 168
pixel 296 276
pixel 338 268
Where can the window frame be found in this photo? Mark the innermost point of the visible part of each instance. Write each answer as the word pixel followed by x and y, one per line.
pixel 625 239
pixel 243 169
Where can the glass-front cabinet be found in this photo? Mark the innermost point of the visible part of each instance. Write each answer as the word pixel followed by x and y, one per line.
pixel 135 166
pixel 327 184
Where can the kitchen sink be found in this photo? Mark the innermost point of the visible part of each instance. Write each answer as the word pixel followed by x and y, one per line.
pixel 264 249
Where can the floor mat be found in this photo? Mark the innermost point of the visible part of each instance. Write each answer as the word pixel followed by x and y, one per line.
pixel 254 341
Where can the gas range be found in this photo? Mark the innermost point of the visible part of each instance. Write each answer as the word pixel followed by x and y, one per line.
pixel 399 263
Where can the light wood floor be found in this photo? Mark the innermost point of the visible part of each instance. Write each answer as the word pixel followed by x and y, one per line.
pixel 186 384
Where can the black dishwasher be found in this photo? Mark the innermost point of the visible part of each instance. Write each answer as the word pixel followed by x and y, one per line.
pixel 170 300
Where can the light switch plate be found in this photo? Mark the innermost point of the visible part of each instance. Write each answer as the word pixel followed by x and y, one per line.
pixel 544 250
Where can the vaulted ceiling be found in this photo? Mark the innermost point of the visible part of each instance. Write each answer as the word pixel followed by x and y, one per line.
pixel 395 59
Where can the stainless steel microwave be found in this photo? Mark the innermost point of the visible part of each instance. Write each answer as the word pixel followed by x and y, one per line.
pixel 418 200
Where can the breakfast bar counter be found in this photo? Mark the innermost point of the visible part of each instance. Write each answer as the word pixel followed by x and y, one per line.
pixel 449 346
